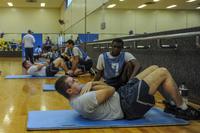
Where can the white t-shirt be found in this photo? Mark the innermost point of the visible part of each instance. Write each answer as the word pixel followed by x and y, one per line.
pixel 33 70
pixel 101 64
pixel 28 41
pixel 76 52
pixel 86 105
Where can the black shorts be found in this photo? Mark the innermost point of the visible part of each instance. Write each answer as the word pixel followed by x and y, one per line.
pixel 85 65
pixel 134 98
pixel 51 70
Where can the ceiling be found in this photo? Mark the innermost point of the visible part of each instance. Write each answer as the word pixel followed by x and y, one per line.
pixel 162 4
pixel 35 4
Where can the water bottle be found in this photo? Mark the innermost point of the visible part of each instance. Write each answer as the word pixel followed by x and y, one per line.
pixel 184 92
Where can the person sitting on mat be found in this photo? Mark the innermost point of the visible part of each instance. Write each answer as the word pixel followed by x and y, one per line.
pixel 116 67
pixel 37 53
pixel 81 62
pixel 99 101
pixel 48 70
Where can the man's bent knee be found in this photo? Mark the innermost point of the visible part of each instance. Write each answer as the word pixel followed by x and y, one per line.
pixel 163 70
pixel 154 66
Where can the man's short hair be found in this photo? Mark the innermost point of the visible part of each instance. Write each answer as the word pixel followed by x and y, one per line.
pixel 70 41
pixel 29 31
pixel 118 41
pixel 24 64
pixel 61 86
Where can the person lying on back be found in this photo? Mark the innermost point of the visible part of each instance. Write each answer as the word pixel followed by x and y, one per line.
pixel 99 101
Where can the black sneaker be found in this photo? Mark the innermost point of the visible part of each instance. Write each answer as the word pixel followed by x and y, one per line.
pixel 172 109
pixel 188 114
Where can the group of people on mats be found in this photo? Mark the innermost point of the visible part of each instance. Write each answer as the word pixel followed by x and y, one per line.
pixel 125 92
pixel 74 62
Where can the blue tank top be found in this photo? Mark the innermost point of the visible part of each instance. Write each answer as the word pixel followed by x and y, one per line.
pixel 85 55
pixel 113 67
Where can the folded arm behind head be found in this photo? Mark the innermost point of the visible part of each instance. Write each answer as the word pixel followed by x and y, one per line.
pixel 103 92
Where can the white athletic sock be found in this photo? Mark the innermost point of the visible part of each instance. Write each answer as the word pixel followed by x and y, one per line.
pixel 183 106
pixel 172 103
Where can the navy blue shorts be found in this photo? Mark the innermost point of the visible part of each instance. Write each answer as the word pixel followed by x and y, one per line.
pixel 134 98
pixel 85 65
pixel 51 70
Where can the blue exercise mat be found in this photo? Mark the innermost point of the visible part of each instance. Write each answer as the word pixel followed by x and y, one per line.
pixel 28 76
pixel 48 87
pixel 69 119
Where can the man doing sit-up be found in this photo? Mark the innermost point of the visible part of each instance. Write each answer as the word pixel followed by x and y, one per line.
pixel 48 70
pixel 99 101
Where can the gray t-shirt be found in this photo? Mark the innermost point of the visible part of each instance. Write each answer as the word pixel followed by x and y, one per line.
pixel 101 64
pixel 33 70
pixel 88 107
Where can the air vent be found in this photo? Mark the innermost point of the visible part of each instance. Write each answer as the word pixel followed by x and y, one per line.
pixel 31 1
pixel 149 3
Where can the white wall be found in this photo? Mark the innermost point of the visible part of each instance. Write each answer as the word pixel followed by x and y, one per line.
pixel 74 15
pixel 18 20
pixel 120 22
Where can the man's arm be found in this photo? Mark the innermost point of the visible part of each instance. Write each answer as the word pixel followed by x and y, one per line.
pixel 90 86
pixel 136 66
pixel 98 75
pixel 98 83
pixel 75 63
pixel 103 92
pixel 100 68
pixel 33 39
pixel 40 66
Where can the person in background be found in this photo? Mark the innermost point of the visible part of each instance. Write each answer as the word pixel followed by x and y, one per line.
pixel 40 69
pixel 116 67
pixel 2 42
pixel 37 53
pixel 81 62
pixel 28 41
pixel 78 41
pixel 47 44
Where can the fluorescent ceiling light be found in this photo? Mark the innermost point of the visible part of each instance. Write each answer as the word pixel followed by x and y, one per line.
pixel 141 6
pixel 198 7
pixel 156 0
pixel 172 6
pixel 190 0
pixel 121 0
pixel 111 6
pixel 42 4
pixel 10 4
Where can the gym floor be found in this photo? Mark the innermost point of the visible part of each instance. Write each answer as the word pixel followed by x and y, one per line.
pixel 19 96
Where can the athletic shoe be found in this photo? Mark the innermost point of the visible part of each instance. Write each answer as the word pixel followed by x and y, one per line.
pixel 188 114
pixel 172 109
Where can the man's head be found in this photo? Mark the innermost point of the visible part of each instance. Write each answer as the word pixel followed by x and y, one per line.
pixel 1 35
pixel 117 46
pixel 26 64
pixel 70 43
pixel 29 32
pixel 67 87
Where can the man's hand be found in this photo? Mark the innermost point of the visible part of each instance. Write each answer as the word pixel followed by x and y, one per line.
pixel 40 66
pixel 98 83
pixel 86 88
pixel 70 72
